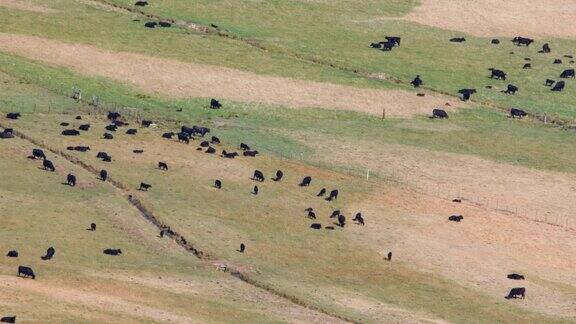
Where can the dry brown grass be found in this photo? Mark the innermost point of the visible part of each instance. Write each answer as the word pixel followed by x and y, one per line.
pixel 25 5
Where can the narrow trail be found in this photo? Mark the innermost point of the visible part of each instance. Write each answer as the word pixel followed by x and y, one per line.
pixel 210 30
pixel 171 233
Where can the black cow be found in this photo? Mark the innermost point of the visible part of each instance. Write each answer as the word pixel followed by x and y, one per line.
pixel 497 74
pixel 38 154
pixel 549 82
pixel 244 147
pixel 138 151
pixel 517 293
pixel 163 166
pixel 103 175
pixel 151 24
pixel 250 153
pixel 215 104
pixel 204 144
pixel 545 48
pixel 4 134
pixel 144 186
pixel 107 136
pixel 569 73
pixel 511 89
pixel 466 93
pixel 64 124
pixel 112 251
pixel 84 127
pixel 26 272
pixel 70 132
pixel 515 112
pixel 111 128
pixel 255 190
pixel 49 254
pixel 515 276
pixel 311 214
pixel 333 195
pixel 210 150
pixel 557 61
pixel 456 218
pixel 242 248
pixel 458 39
pixel 92 227
pixel 495 41
pixel 341 220
pixel 215 140
pixel 8 319
pixel 101 155
pixel 389 256
pixel 321 193
pixel 9 130
pixel 316 226
pixel 12 254
pixel 146 123
pixel 107 158
pixel 200 130
pixel 279 175
pixel 184 137
pixel 568 56
pixel 522 41
pixel 457 200
pixel 417 82
pixel 439 113
pixel 394 40
pixel 82 148
pixel 113 115
pixel 132 131
pixel 229 155
pixel 78 117
pixel 71 180
pixel 218 184
pixel 335 213
pixel 387 46
pixel 168 135
pixel 258 176
pixel 527 66
pixel 141 3
pixel 48 165
pixel 559 86
pixel 165 24
pixel 358 218
pixel 13 115
pixel 305 181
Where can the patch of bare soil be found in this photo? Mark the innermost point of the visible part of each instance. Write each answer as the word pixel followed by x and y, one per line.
pixel 25 5
pixel 180 79
pixel 536 18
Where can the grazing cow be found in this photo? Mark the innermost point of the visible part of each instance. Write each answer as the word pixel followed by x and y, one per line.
pixel 119 123
pixel 358 218
pixel 250 153
pixel 49 254
pixel 329 227
pixel 515 112
pixel 517 293
pixel 335 213
pixel 84 127
pixel 26 272
pixel 210 150
pixel 255 190
pixel 394 40
pixel 111 128
pixel 38 154
pixel 107 159
pixel 321 193
pixel 103 175
pixel 9 130
pixel 549 82
pixel 497 74
pixel 495 41
pixel 311 214
pixel 218 184
pixel 215 140
pixel 8 319
pixel 184 137
pixel 569 73
pixel 568 56
pixel 522 41
pixel 279 175
pixel 439 113
pixel 101 155
pixel 92 227
pixel 78 117
pixel 457 200
pixel 229 155
pixel 258 176
pixel 150 24
pixel 64 124
pixel 107 136
pixel 146 123
pixel 417 82
pixel 389 256
pixel 215 104
pixel 141 3
pixel 131 131
pixel 48 165
pixel 5 134
pixel 515 276
pixel 163 166
pixel 527 66
pixel 458 39
pixel 456 218
pixel 316 226
pixel 138 151
pixel 557 61
pixel 204 144
pixel 341 220
pixel 82 148
pixel 144 186
pixel 386 46
pixel 333 195
pixel 70 132
pixel 200 130
pixel 112 251
pixel 511 89
pixel 545 48
pixel 305 181
pixel 12 254
pixel 165 24
pixel 113 115
pixel 13 115
pixel 559 86
pixel 466 93
pixel 242 247
pixel 168 135
pixel 244 147
pixel 71 180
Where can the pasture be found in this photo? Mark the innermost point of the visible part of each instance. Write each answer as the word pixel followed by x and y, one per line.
pixel 299 83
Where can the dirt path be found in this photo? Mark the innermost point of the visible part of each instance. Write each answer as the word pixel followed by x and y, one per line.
pixel 179 79
pixel 484 18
